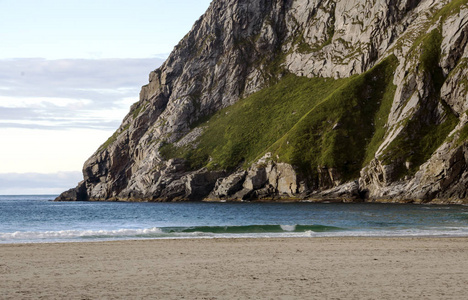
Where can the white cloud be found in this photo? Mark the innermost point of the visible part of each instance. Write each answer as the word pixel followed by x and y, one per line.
pixel 47 151
pixel 54 114
pixel 70 93
pixel 76 73
pixel 42 102
pixel 37 183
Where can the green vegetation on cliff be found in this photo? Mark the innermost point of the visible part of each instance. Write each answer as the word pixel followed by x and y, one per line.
pixel 243 131
pixel 423 135
pixel 306 122
pixel 451 8
pixel 344 131
pixel 113 138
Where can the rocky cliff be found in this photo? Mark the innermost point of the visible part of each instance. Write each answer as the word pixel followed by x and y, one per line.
pixel 350 100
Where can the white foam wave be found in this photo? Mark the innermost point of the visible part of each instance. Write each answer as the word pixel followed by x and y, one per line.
pixel 79 235
pixel 428 232
pixel 73 234
pixel 288 227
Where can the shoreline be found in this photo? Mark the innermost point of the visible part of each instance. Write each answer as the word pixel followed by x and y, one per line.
pixel 461 202
pixel 227 239
pixel 265 268
pixel 240 237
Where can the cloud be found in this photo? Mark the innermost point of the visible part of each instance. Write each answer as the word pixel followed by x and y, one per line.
pixel 76 73
pixel 51 125
pixel 70 93
pixel 37 183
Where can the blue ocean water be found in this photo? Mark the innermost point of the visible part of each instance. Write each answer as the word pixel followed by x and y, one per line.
pixel 38 219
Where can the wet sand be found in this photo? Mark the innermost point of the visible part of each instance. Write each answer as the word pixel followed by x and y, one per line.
pixel 302 268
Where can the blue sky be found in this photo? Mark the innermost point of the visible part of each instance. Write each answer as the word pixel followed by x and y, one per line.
pixel 69 71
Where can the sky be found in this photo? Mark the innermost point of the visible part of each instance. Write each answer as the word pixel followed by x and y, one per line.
pixel 69 71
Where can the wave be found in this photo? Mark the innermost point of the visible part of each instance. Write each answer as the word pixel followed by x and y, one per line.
pixel 74 234
pixel 163 232
pixel 250 231
pixel 253 229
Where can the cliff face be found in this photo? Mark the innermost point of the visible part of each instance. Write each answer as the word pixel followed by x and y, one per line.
pixel 299 99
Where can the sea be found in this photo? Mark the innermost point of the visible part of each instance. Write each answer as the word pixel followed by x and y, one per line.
pixel 38 219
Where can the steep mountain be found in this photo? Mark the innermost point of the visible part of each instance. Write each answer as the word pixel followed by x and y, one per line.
pixel 346 100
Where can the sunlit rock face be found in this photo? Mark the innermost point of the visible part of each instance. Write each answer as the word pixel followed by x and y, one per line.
pixel 415 149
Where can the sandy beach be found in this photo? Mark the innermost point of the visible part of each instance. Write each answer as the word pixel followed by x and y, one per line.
pixel 302 268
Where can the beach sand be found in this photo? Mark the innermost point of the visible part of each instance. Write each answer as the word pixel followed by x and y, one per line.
pixel 292 268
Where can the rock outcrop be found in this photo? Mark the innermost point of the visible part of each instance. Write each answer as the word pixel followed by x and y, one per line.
pixel 397 69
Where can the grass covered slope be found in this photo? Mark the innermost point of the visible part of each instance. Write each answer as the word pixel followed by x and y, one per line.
pixel 345 130
pixel 243 131
pixel 305 122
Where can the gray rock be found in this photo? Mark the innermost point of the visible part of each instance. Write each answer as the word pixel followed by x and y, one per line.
pixel 228 186
pixel 348 192
pixel 228 55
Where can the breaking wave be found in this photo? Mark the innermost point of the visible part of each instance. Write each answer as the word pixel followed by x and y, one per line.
pixel 254 229
pixel 164 232
pixel 249 231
